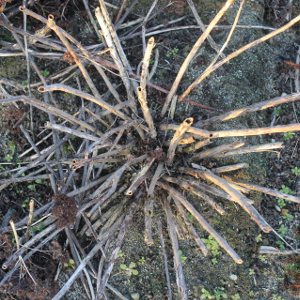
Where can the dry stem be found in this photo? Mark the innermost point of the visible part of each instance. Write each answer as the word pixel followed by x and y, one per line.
pixel 180 131
pixel 237 197
pixel 202 222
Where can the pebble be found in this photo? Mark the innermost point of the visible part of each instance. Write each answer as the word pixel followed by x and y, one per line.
pixel 233 277
pixel 277 208
pixel 135 296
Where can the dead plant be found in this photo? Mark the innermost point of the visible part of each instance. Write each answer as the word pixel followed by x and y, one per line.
pixel 114 139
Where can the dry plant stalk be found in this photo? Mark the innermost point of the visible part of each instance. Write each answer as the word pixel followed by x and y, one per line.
pixel 105 176
pixel 180 131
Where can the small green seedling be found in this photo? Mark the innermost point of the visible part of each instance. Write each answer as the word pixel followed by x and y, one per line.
pixel 278 111
pixel 142 260
pixel 263 258
pixel 182 257
pixel 172 52
pixel 282 230
pixel 296 171
pixel 281 202
pixel 214 261
pixel 288 217
pixel 190 217
pixel 258 238
pixel 280 245
pixel 120 254
pixel 212 245
pixel 12 146
pixel 251 272
pixel 45 73
pixel 219 294
pixel 130 269
pixel 70 263
pixel 286 190
pixel 25 203
pixel 235 297
pixel 288 135
pixel 32 187
pixel 206 294
pixel 39 228
pixel 8 158
pixel 276 297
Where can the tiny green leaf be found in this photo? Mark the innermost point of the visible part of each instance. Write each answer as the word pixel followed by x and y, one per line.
pixel 135 272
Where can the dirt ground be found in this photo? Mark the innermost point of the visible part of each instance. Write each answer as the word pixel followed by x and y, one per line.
pixel 261 73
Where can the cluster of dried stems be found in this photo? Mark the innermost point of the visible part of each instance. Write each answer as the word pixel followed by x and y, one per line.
pixel 96 190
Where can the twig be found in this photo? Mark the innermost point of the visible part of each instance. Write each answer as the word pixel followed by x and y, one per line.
pixel 180 130
pixel 192 54
pixel 141 173
pixel 87 8
pixel 148 210
pixel 217 150
pixel 236 53
pixel 191 228
pixel 120 24
pixel 248 109
pixel 7 217
pixel 67 89
pixel 116 50
pixel 230 168
pixel 27 245
pixel 212 190
pixel 110 216
pixel 207 70
pixel 144 25
pixel 108 64
pixel 191 189
pixel 202 26
pixel 94 213
pixel 202 222
pixel 236 186
pixel 272 250
pixel 155 64
pixel 237 197
pixel 141 91
pixel 72 131
pixel 31 209
pixel 142 95
pixel 91 254
pixel 76 259
pixel 154 179
pixel 118 245
pixel 250 149
pixel 111 181
pixel 121 9
pixel 23 221
pixel 101 263
pixel 45 241
pixel 161 237
pixel 238 132
pixel 25 178
pixel 197 146
pixel 177 262
pixel 49 109
pixel 264 190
